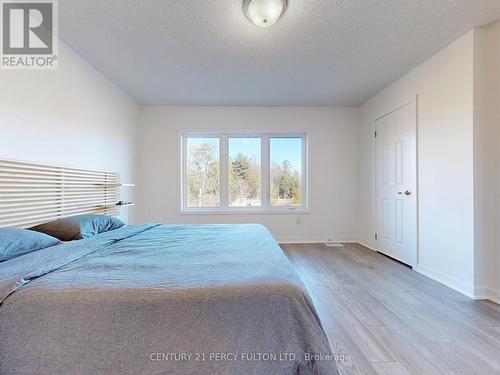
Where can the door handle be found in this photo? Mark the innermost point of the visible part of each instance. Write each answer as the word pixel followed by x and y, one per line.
pixel 406 192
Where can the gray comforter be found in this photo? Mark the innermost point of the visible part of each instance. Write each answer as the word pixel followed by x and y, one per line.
pixel 160 299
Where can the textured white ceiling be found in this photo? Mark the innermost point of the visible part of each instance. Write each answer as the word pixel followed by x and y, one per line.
pixel 205 52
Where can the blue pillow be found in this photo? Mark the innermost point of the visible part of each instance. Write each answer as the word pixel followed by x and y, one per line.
pixel 79 227
pixel 15 242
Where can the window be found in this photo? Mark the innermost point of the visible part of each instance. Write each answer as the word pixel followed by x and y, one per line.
pixel 244 172
pixel 241 172
pixel 203 172
pixel 286 172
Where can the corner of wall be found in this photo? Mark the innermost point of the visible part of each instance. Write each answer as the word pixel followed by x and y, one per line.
pixel 486 161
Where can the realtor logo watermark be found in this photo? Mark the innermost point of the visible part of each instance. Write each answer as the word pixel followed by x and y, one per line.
pixel 29 34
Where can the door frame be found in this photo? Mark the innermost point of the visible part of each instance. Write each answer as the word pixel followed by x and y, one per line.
pixel 376 230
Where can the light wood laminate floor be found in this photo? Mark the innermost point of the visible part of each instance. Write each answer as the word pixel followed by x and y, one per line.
pixel 391 320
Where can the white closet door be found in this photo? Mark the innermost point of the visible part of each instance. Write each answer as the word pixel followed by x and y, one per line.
pixel 396 176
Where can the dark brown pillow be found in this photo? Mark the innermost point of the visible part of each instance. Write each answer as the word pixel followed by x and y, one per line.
pixel 79 227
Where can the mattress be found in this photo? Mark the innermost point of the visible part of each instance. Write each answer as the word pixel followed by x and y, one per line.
pixel 160 299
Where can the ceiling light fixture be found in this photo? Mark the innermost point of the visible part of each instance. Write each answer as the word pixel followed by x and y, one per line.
pixel 264 13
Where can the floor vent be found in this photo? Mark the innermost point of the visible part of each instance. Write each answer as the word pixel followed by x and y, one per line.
pixel 333 244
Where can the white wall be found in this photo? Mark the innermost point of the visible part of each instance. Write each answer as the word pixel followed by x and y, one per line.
pixel 487 160
pixel 71 116
pixel 444 85
pixel 333 157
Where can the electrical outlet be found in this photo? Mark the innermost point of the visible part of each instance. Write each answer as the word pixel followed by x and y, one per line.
pixel 298 220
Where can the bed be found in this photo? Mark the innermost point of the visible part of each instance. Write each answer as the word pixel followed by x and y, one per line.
pixel 160 299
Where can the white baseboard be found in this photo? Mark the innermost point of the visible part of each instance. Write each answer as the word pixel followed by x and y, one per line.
pixel 450 282
pixel 299 240
pixel 368 244
pixel 487 293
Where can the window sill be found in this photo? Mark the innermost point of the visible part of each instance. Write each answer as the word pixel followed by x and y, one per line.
pixel 276 211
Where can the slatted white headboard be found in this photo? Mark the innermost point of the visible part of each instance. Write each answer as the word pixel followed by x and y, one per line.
pixel 32 194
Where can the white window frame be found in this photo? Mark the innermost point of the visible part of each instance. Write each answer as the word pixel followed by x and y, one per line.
pixel 265 206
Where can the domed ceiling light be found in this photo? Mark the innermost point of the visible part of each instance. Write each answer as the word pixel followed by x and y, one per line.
pixel 264 13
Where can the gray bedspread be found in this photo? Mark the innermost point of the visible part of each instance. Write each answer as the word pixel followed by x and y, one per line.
pixel 160 299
